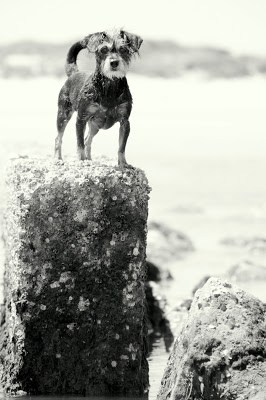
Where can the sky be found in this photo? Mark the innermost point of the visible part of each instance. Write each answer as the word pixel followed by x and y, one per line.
pixel 238 25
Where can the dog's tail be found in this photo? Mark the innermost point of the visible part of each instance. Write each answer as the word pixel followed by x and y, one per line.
pixel 90 43
pixel 71 61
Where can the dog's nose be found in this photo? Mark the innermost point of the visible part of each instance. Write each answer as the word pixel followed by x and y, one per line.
pixel 114 63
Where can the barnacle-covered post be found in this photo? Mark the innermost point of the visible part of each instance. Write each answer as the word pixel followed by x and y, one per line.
pixel 74 312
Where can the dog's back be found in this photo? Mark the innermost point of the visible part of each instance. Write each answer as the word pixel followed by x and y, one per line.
pixel 72 89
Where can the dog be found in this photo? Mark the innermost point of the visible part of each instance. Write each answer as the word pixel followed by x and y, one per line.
pixel 102 98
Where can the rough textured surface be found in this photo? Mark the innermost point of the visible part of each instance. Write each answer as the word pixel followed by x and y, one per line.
pixel 221 351
pixel 74 312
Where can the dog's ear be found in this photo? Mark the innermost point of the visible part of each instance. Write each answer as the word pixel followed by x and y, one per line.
pixel 93 41
pixel 133 41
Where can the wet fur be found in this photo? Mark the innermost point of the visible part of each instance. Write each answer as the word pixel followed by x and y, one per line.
pixel 102 98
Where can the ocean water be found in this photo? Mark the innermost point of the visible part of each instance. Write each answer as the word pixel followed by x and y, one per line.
pixel 202 145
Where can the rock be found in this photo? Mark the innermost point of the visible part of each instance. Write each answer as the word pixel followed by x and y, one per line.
pixel 186 304
pixel 165 244
pixel 153 272
pixel 75 240
pixel 221 352
pixel 251 244
pixel 200 284
pixel 158 324
pixel 246 271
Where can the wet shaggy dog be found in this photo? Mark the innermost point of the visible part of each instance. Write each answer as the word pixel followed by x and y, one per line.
pixel 102 98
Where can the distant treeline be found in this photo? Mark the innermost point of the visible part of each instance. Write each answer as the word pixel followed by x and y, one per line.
pixel 158 58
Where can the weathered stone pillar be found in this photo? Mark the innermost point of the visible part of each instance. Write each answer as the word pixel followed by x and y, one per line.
pixel 74 313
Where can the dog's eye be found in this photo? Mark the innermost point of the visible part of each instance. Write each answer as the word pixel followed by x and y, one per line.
pixel 104 50
pixel 123 50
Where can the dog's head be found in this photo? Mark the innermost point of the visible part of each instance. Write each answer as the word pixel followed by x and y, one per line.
pixel 113 50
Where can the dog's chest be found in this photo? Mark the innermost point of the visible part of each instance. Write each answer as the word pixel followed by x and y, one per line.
pixel 105 102
pixel 105 116
pixel 98 111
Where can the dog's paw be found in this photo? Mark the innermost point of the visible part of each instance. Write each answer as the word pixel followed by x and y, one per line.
pixel 125 165
pixel 58 161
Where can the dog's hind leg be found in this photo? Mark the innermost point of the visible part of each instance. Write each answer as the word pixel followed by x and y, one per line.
pixel 64 114
pixel 93 130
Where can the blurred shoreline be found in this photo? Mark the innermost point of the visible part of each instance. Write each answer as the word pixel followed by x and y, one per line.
pixel 167 59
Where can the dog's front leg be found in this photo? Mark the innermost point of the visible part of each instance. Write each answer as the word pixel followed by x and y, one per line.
pixel 80 130
pixel 123 135
pixel 93 130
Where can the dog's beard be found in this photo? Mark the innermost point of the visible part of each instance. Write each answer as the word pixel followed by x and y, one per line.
pixel 119 72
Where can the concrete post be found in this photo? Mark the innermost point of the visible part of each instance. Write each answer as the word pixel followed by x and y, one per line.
pixel 74 312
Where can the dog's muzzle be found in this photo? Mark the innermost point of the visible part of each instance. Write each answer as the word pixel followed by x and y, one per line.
pixel 114 67
pixel 114 64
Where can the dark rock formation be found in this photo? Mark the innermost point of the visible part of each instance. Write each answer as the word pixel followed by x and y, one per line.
pixel 158 324
pixel 221 351
pixel 74 312
pixel 153 272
